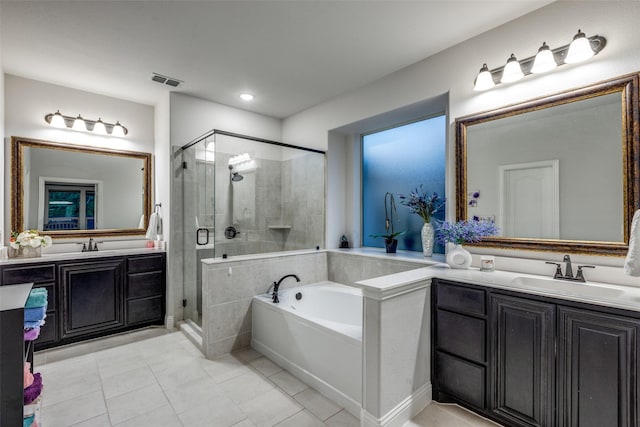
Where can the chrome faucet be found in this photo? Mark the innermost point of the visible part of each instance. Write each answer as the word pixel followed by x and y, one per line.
pixel 276 285
pixel 568 270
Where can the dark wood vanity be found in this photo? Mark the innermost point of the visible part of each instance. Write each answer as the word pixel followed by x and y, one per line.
pixel 529 360
pixel 97 296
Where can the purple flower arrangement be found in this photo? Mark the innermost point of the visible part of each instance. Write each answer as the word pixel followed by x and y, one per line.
pixel 422 204
pixel 464 231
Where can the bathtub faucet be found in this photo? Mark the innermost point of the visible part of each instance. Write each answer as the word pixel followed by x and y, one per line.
pixel 276 285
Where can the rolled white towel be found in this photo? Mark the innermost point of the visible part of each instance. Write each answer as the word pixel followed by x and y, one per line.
pixel 152 230
pixel 632 263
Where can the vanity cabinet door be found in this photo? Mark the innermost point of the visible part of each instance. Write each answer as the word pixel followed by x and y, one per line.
pixel 597 369
pixel 92 297
pixel 522 361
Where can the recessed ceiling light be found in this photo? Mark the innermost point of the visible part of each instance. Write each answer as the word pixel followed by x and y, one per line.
pixel 246 97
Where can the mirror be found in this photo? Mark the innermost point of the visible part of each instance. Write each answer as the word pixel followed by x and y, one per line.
pixel 558 173
pixel 68 191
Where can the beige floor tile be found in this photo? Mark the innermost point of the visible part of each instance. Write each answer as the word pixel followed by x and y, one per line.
pixel 55 392
pixel 245 423
pixel 288 382
pixel 221 412
pixel 317 404
pixel 433 415
pixel 301 419
pixel 130 405
pixel 224 368
pixel 182 371
pixel 75 410
pixel 466 415
pixel 186 396
pixel 127 382
pixel 265 366
pixel 343 419
pixel 161 417
pixel 64 370
pixel 108 369
pixel 246 387
pixel 99 421
pixel 270 408
pixel 246 355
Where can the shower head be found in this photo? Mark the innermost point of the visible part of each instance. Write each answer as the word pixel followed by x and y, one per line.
pixel 235 177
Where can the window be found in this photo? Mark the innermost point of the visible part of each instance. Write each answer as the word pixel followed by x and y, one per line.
pixel 69 206
pixel 398 160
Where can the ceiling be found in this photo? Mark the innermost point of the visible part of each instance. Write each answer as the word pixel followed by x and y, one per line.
pixel 291 55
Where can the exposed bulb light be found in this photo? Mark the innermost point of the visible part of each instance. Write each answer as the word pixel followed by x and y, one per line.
pixel 544 60
pixel 99 127
pixel 579 49
pixel 79 124
pixel 57 121
pixel 246 97
pixel 118 130
pixel 547 59
pixel 512 71
pixel 484 80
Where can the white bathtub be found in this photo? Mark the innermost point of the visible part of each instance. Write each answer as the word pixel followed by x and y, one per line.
pixel 317 338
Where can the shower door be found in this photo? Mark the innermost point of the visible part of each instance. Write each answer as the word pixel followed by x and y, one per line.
pixel 198 179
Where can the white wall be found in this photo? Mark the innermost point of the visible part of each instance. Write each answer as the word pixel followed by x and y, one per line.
pixel 2 201
pixel 29 101
pixel 454 71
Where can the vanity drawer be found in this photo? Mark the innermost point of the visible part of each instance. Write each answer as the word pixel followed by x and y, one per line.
pixel 460 298
pixel 461 335
pixel 28 274
pixel 145 263
pixel 144 310
pixel 462 379
pixel 145 284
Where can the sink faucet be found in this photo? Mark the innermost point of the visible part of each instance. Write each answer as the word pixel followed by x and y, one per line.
pixel 276 285
pixel 568 270
pixel 93 247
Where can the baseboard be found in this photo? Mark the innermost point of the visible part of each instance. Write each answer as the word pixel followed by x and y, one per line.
pixel 170 322
pixel 310 379
pixel 403 412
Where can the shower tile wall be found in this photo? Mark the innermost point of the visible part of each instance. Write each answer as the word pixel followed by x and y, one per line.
pixel 287 193
pixel 228 287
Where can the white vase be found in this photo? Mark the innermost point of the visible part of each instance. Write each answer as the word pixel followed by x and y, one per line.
pixel 458 257
pixel 427 239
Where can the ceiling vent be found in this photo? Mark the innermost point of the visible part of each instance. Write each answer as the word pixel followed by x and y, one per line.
pixel 164 80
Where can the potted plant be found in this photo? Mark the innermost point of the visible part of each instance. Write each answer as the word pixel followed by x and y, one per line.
pixel 461 232
pixel 390 241
pixel 27 244
pixel 419 202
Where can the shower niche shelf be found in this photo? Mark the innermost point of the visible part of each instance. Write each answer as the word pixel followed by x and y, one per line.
pixel 280 227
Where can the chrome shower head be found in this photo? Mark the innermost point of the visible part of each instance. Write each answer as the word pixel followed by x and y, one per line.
pixel 235 177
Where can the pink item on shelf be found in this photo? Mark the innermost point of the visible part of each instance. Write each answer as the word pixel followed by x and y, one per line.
pixel 32 392
pixel 31 334
pixel 28 376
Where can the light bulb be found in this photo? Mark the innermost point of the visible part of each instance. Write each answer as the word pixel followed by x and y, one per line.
pixel 246 97
pixel 544 60
pixel 79 124
pixel 484 80
pixel 579 49
pixel 512 71
pixel 57 121
pixel 118 130
pixel 99 128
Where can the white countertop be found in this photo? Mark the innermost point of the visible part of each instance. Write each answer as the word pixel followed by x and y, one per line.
pixel 80 255
pixel 14 296
pixel 624 297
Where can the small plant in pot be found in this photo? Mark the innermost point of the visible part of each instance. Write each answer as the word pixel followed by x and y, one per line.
pixel 390 236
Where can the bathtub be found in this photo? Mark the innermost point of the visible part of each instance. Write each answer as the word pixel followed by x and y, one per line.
pixel 317 338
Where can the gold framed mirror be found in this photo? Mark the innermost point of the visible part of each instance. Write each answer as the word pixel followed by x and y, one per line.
pixel 558 173
pixel 69 191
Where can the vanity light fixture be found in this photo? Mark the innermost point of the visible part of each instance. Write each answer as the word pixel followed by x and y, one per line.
pixel 580 49
pixel 85 125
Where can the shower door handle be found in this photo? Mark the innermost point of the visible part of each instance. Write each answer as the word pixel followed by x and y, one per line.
pixel 202 232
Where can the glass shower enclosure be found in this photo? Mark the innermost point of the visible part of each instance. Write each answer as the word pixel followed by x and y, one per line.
pixel 238 195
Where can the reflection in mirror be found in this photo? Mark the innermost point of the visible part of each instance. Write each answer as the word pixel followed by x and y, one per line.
pixel 557 173
pixel 72 191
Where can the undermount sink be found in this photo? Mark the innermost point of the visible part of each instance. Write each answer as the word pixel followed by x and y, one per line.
pixel 567 288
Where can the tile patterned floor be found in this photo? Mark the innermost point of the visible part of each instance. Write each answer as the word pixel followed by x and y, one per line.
pixel 158 378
